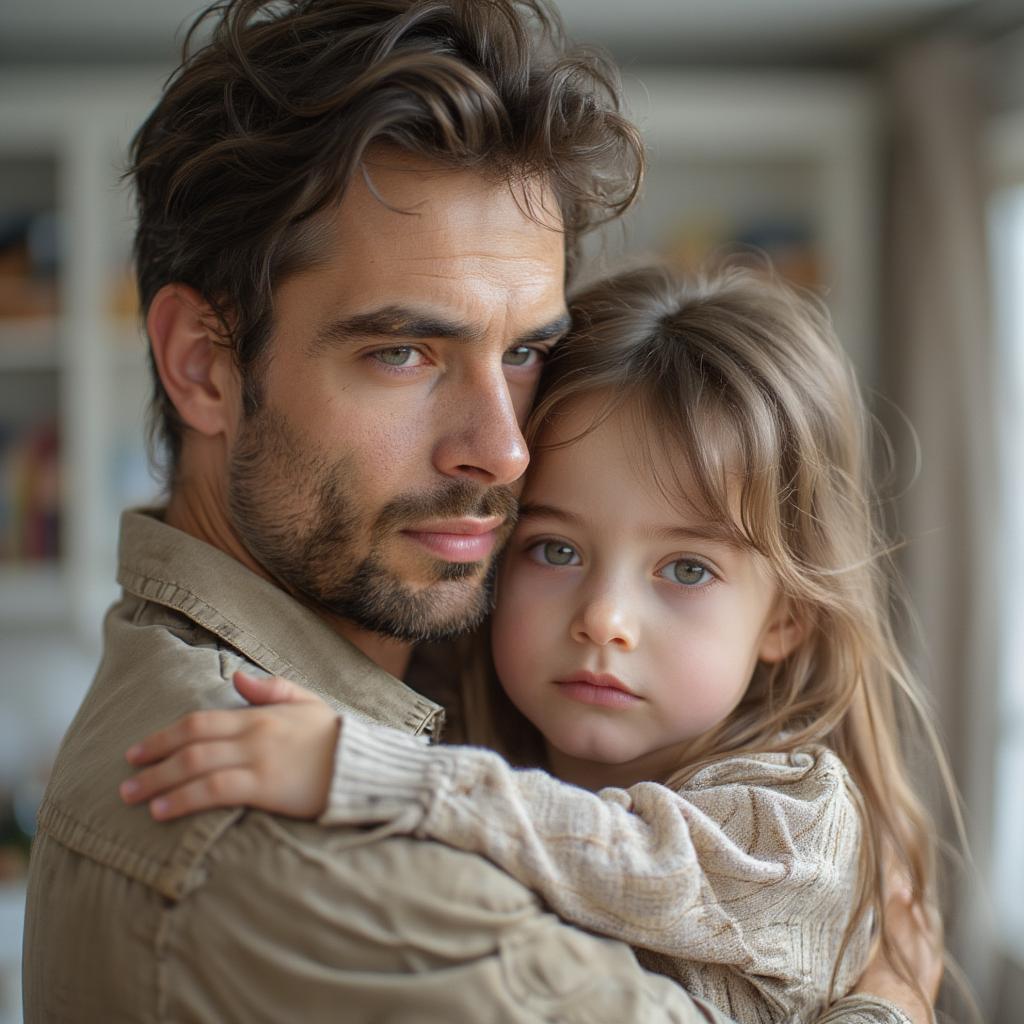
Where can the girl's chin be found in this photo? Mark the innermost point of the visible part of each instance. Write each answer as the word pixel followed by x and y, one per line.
pixel 600 752
pixel 599 761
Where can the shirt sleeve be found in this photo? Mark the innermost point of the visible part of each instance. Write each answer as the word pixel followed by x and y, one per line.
pixel 749 869
pixel 863 1010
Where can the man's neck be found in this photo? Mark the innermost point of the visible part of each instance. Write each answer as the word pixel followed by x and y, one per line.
pixel 391 655
pixel 197 514
pixel 188 512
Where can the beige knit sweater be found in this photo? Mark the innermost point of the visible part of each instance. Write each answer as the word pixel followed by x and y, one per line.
pixel 740 885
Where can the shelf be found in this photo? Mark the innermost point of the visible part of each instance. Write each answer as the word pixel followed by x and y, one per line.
pixel 12 916
pixel 32 593
pixel 33 344
pixel 128 345
pixel 29 344
pixel 12 909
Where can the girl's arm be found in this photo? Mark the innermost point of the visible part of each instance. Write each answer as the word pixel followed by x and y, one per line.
pixel 753 865
pixel 752 868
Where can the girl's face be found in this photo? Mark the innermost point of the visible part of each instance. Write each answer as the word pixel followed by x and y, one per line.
pixel 625 626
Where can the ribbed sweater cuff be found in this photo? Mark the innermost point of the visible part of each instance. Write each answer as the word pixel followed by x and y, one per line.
pixel 857 1009
pixel 380 774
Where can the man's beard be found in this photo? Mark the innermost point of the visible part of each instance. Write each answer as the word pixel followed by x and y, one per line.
pixel 299 515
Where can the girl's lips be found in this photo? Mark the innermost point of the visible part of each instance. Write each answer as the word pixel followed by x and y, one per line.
pixel 603 690
pixel 459 540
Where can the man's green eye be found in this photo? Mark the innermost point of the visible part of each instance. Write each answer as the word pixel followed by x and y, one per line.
pixel 520 355
pixel 395 356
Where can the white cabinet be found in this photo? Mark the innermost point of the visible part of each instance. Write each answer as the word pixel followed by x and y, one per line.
pixel 74 364
pixel 72 393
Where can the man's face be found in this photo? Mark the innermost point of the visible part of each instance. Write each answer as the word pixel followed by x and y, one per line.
pixel 377 478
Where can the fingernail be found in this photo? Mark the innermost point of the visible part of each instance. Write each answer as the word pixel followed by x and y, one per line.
pixel 133 752
pixel 129 788
pixel 159 807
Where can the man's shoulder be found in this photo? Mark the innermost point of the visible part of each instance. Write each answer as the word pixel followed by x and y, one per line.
pixel 156 666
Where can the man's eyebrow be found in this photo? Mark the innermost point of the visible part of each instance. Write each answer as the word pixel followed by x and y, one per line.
pixel 552 331
pixel 401 323
pixel 390 322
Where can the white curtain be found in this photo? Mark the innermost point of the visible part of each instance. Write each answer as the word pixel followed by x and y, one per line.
pixel 938 368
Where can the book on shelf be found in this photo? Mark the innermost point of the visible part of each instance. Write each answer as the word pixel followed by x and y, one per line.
pixel 29 492
pixel 28 264
pixel 788 245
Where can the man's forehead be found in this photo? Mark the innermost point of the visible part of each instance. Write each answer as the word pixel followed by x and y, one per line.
pixel 450 237
pixel 423 203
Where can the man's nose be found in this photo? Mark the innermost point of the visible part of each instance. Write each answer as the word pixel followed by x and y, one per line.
pixel 481 438
pixel 605 618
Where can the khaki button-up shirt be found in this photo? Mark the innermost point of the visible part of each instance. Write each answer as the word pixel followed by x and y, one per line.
pixel 236 915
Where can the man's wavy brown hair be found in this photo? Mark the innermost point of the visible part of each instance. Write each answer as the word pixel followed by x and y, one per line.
pixel 263 125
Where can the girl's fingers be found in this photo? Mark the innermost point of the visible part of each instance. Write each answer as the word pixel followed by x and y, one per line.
pixel 198 726
pixel 228 787
pixel 270 689
pixel 193 762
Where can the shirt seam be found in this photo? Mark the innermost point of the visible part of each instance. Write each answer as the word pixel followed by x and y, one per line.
pixel 173 879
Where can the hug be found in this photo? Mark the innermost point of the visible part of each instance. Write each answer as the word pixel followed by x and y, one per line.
pixel 506 649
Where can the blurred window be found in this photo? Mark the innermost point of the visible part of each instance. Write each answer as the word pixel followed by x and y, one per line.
pixel 1007 234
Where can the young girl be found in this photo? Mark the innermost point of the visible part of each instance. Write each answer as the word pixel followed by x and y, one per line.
pixel 692 633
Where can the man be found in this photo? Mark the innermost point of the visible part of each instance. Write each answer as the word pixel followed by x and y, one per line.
pixel 356 221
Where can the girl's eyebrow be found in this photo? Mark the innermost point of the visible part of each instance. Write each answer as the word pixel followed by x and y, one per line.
pixel 719 533
pixel 707 530
pixel 533 510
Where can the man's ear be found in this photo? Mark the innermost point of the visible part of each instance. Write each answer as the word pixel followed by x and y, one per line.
pixel 785 631
pixel 196 368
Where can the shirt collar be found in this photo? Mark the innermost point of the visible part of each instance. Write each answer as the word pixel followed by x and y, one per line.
pixel 160 563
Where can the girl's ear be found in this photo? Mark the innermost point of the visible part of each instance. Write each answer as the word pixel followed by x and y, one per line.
pixel 196 368
pixel 785 631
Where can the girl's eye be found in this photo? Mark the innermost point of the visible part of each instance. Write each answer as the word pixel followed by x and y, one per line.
pixel 400 355
pixel 687 572
pixel 554 552
pixel 522 355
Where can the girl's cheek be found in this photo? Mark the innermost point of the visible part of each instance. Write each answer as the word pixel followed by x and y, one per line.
pixel 509 605
pixel 519 580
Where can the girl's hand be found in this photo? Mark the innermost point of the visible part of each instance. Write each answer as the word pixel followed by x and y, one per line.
pixel 917 933
pixel 278 758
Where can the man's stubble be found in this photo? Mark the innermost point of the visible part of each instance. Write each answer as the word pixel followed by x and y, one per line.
pixel 300 515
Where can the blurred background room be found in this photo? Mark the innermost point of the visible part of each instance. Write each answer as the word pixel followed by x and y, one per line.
pixel 873 148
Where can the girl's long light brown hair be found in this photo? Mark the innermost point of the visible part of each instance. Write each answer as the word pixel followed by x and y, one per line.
pixel 743 380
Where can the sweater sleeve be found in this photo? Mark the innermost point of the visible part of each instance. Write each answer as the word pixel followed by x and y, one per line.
pixel 863 1010
pixel 749 869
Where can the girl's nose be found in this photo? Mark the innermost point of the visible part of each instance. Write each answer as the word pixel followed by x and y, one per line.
pixel 606 620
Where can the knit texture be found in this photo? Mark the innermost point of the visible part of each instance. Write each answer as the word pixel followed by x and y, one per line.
pixel 738 885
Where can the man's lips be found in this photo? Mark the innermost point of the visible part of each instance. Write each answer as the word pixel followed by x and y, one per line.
pixel 601 689
pixel 468 539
